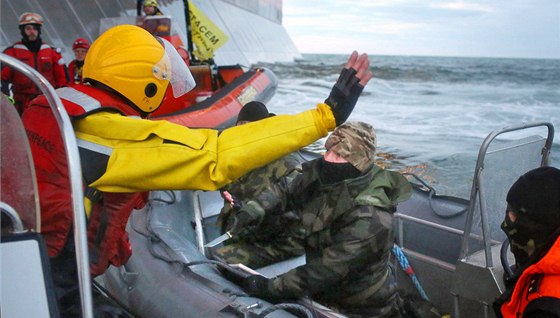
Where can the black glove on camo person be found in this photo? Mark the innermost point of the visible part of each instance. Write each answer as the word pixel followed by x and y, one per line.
pixel 348 87
pixel 257 285
pixel 249 214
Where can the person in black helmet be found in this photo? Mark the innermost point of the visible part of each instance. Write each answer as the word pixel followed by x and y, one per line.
pixel 532 225
pixel 34 52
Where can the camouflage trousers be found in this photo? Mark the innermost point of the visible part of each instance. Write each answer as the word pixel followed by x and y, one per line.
pixel 257 254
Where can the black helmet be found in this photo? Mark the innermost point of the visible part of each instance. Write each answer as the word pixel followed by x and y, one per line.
pixel 537 194
pixel 534 200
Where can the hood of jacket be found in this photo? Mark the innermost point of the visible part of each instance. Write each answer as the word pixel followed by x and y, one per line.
pixel 386 189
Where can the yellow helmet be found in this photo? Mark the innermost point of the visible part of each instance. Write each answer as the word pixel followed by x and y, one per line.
pixel 30 18
pixel 138 66
pixel 151 3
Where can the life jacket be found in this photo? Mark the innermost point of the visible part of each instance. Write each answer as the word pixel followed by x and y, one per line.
pixel 541 279
pixel 107 237
pixel 47 61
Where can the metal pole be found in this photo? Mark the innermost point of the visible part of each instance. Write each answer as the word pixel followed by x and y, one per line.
pixel 190 47
pixel 74 172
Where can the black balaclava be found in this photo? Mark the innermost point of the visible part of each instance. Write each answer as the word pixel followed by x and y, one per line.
pixel 33 46
pixel 332 172
pixel 535 200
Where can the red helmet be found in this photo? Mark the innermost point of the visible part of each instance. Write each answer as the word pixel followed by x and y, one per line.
pixel 30 18
pixel 80 43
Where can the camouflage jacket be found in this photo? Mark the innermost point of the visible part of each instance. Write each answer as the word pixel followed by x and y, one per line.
pixel 349 236
pixel 251 185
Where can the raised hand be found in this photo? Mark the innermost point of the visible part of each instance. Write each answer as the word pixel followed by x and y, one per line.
pixel 350 84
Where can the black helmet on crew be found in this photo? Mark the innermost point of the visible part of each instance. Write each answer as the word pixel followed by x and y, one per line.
pixel 253 111
pixel 533 213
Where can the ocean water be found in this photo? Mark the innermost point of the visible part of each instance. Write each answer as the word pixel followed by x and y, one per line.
pixel 431 114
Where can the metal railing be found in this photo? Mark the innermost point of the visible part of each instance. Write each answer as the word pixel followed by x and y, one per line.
pixel 74 172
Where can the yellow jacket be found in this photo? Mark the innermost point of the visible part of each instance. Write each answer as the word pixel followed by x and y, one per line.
pixel 159 155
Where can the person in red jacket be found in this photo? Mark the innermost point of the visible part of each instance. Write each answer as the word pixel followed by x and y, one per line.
pixel 532 225
pixel 128 74
pixel 80 48
pixel 33 51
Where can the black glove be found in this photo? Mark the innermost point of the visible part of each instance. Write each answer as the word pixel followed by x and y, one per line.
pixel 240 220
pixel 237 204
pixel 344 95
pixel 256 285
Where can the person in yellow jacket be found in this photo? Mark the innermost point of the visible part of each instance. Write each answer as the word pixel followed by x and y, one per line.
pixel 129 74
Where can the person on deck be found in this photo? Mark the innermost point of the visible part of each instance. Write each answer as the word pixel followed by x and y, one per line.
pixel 532 225
pixel 80 48
pixel 150 8
pixel 127 75
pixel 33 51
pixel 279 237
pixel 345 203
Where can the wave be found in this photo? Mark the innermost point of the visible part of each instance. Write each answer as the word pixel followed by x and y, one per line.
pixel 433 69
pixel 432 112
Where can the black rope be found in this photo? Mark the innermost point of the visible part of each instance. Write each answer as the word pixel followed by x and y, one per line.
pixel 504 259
pixel 172 198
pixel 431 195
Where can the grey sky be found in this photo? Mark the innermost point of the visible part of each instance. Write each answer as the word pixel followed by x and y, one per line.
pixel 500 28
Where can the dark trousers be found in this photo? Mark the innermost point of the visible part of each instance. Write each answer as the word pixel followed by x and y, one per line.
pixel 65 278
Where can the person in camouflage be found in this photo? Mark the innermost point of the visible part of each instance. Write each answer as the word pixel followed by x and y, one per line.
pixel 346 203
pixel 276 238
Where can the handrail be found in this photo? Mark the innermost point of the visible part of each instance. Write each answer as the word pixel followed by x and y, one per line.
pixel 74 172
pixel 477 186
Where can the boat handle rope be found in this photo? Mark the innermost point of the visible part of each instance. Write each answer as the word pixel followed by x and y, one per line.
pixel 431 195
pixel 172 198
pixel 504 259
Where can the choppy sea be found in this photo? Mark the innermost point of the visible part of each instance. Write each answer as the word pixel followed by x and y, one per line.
pixel 431 114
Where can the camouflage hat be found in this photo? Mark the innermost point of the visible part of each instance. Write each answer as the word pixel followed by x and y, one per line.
pixel 355 142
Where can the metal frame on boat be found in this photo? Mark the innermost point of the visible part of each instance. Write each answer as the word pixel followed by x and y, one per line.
pixel 74 171
pixel 455 253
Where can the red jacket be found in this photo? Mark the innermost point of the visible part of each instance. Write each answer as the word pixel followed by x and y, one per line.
pixel 107 238
pixel 75 72
pixel 47 61
pixel 541 279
